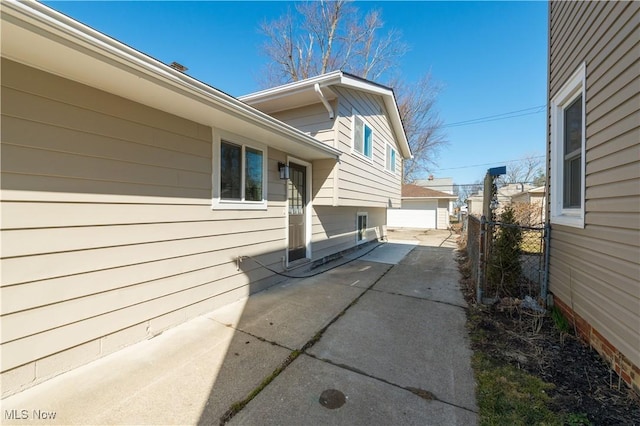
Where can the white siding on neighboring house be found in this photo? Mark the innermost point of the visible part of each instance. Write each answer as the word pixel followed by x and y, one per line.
pixel 443 214
pixel 420 214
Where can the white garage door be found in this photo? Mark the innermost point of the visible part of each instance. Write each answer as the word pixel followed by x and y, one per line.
pixel 413 214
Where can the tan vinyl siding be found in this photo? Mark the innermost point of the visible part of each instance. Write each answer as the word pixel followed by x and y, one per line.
pixel 314 120
pixel 596 270
pixel 324 177
pixel 334 228
pixel 363 182
pixel 107 226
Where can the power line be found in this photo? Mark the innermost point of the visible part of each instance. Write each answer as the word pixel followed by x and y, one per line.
pixel 477 184
pixel 486 164
pixel 512 114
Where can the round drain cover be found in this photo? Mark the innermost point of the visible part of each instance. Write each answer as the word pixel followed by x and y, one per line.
pixel 332 399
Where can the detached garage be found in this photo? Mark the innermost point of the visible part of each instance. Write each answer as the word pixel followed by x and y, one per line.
pixel 422 208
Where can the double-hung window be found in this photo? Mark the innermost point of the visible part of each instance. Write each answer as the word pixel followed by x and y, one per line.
pixel 241 182
pixel 568 152
pixel 362 137
pixel 390 164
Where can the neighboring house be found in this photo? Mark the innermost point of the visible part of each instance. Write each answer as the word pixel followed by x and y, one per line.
pixel 594 175
pixel 474 203
pixel 132 194
pixel 439 184
pixel 530 206
pixel 422 208
pixel 504 196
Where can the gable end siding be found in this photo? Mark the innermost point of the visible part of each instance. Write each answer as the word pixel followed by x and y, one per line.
pixel 362 182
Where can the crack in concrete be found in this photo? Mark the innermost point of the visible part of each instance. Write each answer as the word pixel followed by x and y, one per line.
pixel 419 298
pixel 422 393
pixel 239 405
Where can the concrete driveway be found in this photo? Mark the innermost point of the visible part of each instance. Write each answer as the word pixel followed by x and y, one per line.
pixel 376 341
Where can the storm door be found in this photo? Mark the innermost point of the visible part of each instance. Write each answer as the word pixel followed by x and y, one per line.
pixel 296 189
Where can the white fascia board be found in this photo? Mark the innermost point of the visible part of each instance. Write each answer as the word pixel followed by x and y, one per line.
pixel 338 78
pixel 292 88
pixel 390 103
pixel 45 24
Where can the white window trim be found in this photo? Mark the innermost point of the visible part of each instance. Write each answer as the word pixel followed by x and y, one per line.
pixel 393 172
pixel 217 202
pixel 354 114
pixel 574 87
pixel 365 239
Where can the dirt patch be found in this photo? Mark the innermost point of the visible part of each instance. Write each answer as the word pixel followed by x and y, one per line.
pixel 406 234
pixel 584 386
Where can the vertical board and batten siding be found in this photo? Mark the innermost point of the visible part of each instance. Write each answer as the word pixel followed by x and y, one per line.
pixel 362 182
pixel 596 270
pixel 314 120
pixel 108 236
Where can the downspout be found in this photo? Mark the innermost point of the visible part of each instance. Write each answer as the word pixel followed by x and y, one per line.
pixel 324 100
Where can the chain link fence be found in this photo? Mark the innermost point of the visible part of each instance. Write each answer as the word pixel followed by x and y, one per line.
pixel 472 227
pixel 507 260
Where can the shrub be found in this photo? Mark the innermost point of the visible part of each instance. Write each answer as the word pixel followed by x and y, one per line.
pixel 504 270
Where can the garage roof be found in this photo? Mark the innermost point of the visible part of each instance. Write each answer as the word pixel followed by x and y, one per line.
pixel 415 191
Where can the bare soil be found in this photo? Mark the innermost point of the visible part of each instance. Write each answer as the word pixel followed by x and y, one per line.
pixel 584 385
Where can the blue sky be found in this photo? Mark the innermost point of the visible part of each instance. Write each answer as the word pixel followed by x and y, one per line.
pixel 489 57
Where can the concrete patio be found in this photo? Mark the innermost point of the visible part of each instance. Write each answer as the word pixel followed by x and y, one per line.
pixel 378 340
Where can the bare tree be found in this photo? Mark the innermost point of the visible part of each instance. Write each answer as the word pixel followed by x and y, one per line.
pixel 464 191
pixel 528 169
pixel 422 125
pixel 323 36
pixel 326 35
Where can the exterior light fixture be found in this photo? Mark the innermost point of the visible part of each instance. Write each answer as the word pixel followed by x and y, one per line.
pixel 284 171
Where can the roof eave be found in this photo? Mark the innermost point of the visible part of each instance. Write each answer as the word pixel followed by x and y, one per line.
pixel 107 54
pixel 339 78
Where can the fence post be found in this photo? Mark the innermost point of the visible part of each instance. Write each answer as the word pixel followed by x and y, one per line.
pixel 547 256
pixel 481 259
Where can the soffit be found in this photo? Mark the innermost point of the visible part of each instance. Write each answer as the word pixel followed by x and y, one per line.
pixel 32 35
